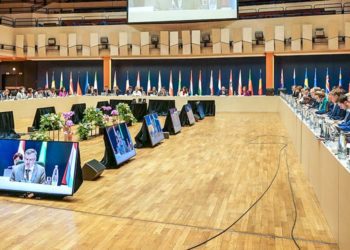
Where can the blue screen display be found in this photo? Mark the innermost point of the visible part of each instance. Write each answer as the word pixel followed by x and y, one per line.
pixel 154 128
pixel 175 119
pixel 38 167
pixel 121 142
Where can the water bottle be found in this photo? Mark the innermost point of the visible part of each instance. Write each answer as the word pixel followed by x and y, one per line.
pixel 322 127
pixel 342 146
pixel 55 176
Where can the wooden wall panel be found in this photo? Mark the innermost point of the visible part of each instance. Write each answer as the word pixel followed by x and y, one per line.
pixel 174 43
pixel 94 41
pixel 186 42
pixel 247 40
pixel 30 45
pixel 307 37
pixel 279 38
pixel 164 43
pixel 19 45
pixel 86 49
pixel 123 43
pixel 296 37
pixel 333 33
pixel 42 45
pixel 347 35
pixel 196 42
pixel 63 42
pixel 72 44
pixel 216 40
pixel 114 44
pixel 237 40
pixel 225 41
pixel 136 44
pixel 269 39
pixel 145 43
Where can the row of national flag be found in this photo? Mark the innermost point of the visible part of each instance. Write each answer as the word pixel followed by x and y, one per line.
pixel 315 84
pixel 77 90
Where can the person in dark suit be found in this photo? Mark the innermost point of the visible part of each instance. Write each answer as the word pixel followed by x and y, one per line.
pixel 223 91
pixel 336 113
pixel 323 107
pixel 29 171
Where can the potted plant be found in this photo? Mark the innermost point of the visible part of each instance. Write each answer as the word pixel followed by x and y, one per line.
pixel 84 130
pixel 40 136
pixel 125 113
pixel 94 117
pixel 51 122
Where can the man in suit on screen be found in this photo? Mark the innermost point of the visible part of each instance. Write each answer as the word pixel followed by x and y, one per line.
pixel 29 171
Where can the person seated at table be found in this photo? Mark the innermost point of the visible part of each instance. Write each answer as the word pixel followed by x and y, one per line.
pixel 30 93
pixel 336 113
pixel 95 92
pixel 222 92
pixel 137 92
pixel 313 103
pixel 116 90
pixel 6 94
pixel 183 92
pixel 143 93
pixel 21 94
pixel 323 107
pixel 90 90
pixel 153 92
pixel 129 91
pixel 306 96
pixel 246 92
pixel 163 92
pixel 344 103
pixel 62 92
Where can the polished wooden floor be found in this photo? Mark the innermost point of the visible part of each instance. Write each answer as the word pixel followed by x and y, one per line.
pixel 179 194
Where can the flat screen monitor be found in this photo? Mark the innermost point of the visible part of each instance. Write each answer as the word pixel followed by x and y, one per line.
pixel 121 142
pixel 38 167
pixel 154 128
pixel 175 119
pixel 151 11
pixel 200 110
pixel 190 115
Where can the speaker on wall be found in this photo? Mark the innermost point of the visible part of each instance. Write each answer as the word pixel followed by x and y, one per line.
pixel 270 91
pixel 92 169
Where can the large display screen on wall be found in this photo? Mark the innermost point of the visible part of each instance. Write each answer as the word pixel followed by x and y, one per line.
pixel 149 11
pixel 38 167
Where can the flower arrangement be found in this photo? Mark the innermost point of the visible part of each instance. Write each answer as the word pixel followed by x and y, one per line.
pixel 114 115
pixel 68 124
pixel 106 108
pixel 40 136
pixel 49 122
pixel 125 113
pixel 84 130
pixel 94 116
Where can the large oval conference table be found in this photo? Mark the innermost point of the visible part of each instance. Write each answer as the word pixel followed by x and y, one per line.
pixel 329 176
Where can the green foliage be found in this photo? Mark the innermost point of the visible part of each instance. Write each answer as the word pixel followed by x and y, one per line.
pixel 84 130
pixel 40 136
pixel 50 122
pixel 94 116
pixel 125 113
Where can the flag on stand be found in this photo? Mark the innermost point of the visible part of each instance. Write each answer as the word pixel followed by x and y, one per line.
pixel 179 84
pixel 250 83
pixel 43 151
pixel 159 81
pixel 47 80
pixel 138 83
pixel 71 87
pixel 230 87
pixel 282 79
pixel 171 88
pixel 327 83
pixel 294 82
pixel 61 80
pixel 315 78
pixel 211 84
pixel 306 81
pixel 86 88
pixel 219 80
pixel 260 84
pixel 191 85
pixel 68 175
pixel 53 83
pixel 95 82
pixel 200 83
pixel 21 147
pixel 149 82
pixel 340 78
pixel 240 83
pixel 115 80
pixel 127 81
pixel 79 92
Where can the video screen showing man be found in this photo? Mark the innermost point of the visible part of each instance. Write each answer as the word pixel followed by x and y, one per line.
pixel 29 171
pixel 177 4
